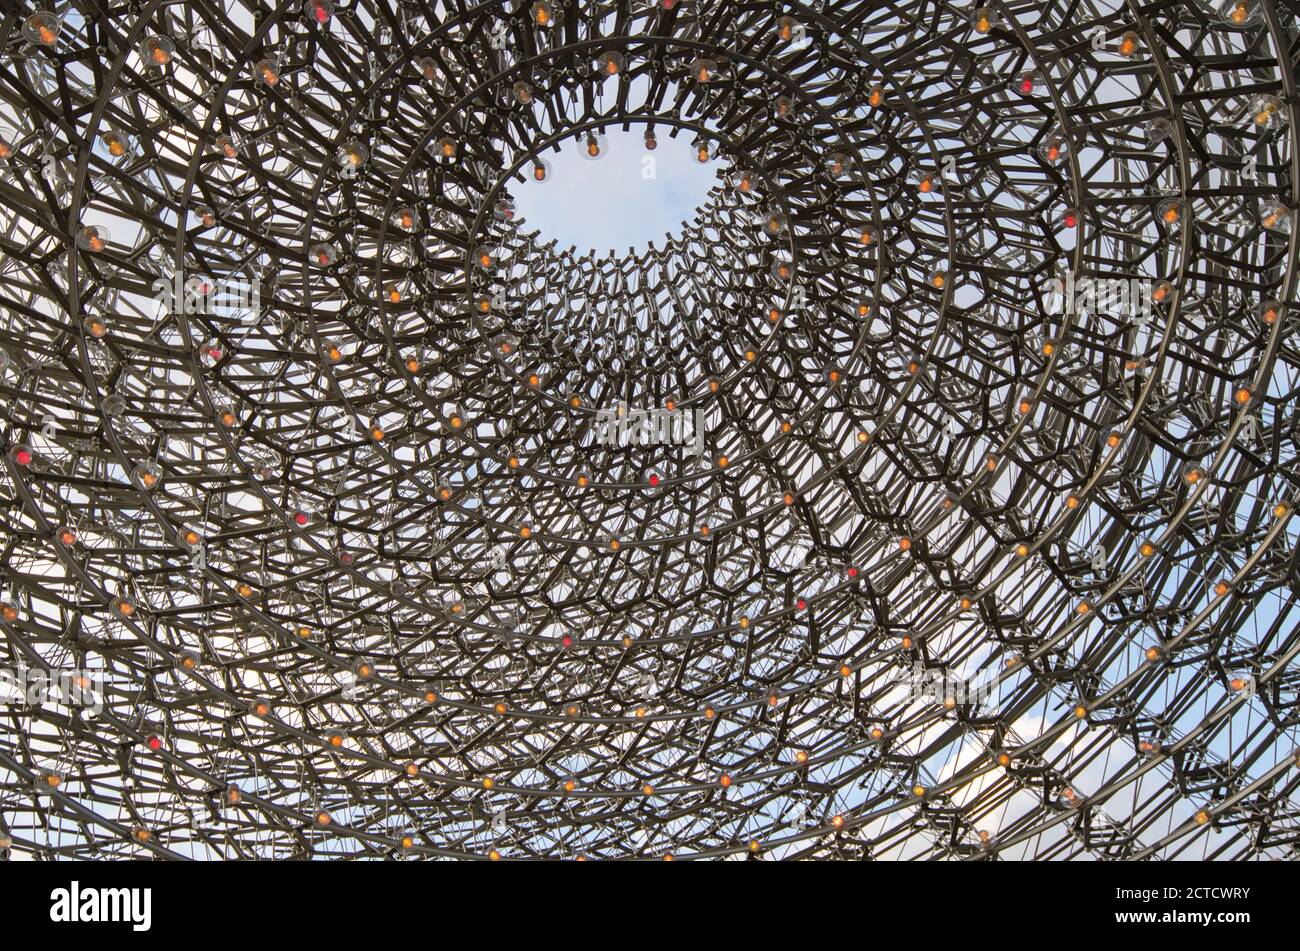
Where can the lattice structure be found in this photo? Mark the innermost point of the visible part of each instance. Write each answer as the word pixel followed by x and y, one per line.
pixel 318 505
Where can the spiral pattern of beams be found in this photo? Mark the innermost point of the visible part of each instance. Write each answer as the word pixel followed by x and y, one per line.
pixel 317 480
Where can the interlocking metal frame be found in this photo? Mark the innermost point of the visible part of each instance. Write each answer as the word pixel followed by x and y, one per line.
pixel 312 512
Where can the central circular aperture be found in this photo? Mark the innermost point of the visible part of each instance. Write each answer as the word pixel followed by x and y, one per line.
pixel 627 198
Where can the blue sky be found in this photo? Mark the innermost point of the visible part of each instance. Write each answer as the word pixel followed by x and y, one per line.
pixel 612 203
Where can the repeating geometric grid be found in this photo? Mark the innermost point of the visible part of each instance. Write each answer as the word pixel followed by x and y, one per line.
pixel 987 325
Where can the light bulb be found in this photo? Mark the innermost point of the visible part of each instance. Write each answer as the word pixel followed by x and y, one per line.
pixel 544 13
pixel 318 10
pixel 267 71
pixel 982 20
pixel 157 50
pixel 42 29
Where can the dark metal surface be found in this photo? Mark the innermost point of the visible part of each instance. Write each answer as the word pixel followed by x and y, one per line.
pixel 479 632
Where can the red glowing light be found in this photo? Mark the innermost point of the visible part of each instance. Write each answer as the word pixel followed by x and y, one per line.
pixel 155 743
pixel 654 479
pixel 300 518
pixel 23 457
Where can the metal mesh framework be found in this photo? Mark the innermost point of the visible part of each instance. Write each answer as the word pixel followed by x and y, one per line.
pixel 986 321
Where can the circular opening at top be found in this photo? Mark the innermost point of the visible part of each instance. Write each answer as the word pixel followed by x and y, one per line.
pixel 607 192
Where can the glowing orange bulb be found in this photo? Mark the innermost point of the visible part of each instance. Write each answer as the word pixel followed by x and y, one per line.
pixel 539 173
pixel 500 708
pixel 1153 653
pixel 877 96
pixel 1128 44
pixel 702 153
pixel 801 757
pixel 724 780
pixel 1221 588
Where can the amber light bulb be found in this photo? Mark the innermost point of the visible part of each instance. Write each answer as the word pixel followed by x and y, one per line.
pixel 114 143
pixel 159 54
